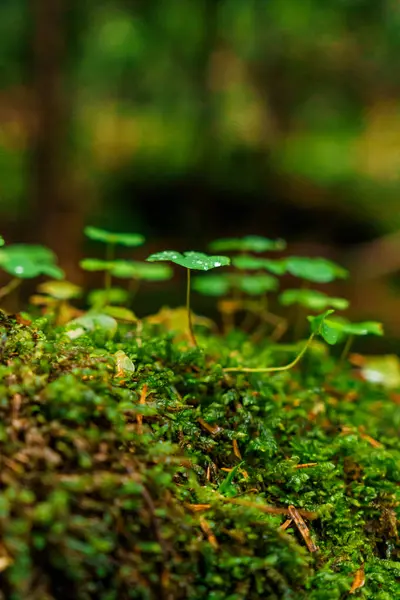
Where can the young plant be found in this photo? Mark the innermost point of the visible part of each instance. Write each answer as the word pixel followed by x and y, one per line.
pixel 130 240
pixel 190 261
pixel 26 261
pixel 334 331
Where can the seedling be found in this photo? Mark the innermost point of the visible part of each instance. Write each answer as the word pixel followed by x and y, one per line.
pixel 333 331
pixel 24 261
pixel 131 240
pixel 190 261
pixel 249 243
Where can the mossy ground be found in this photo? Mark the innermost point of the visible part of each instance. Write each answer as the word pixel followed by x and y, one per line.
pixel 117 486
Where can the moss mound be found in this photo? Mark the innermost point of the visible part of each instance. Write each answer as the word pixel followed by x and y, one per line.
pixel 178 481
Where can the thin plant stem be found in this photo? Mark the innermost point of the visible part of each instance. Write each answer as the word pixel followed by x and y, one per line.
pixel 273 369
pixel 107 274
pixel 189 312
pixel 346 349
pixel 133 288
pixel 10 287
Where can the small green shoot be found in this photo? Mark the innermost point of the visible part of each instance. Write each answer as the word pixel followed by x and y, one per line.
pixel 111 239
pixel 190 261
pixel 333 331
pixel 249 243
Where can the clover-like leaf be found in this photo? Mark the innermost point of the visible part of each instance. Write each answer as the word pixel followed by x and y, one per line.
pixel 320 326
pixel 333 330
pixel 255 285
pixel 213 284
pixel 24 267
pixel 60 290
pixel 191 260
pixel 319 270
pixel 108 237
pixel 96 264
pixel 246 262
pixel 35 252
pixel 249 243
pixel 312 299
pixel 124 364
pixel 115 295
pixel 141 270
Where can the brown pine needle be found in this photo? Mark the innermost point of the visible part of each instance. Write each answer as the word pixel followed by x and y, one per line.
pixel 198 507
pixel 142 401
pixel 209 533
pixel 306 465
pixel 213 429
pixel 236 450
pixel 359 580
pixel 302 527
pixel 271 510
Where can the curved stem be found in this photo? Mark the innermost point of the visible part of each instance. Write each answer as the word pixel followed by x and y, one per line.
pixel 107 274
pixel 189 312
pixel 272 369
pixel 10 287
pixel 346 349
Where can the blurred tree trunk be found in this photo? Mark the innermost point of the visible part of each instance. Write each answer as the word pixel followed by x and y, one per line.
pixel 57 216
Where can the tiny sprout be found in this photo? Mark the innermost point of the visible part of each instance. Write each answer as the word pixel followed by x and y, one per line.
pixel 333 330
pixel 312 299
pixel 110 239
pixel 249 243
pixel 191 261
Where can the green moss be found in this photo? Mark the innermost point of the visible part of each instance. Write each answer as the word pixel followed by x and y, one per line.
pixel 116 486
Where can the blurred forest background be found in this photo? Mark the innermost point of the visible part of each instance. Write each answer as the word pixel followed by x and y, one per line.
pixel 187 120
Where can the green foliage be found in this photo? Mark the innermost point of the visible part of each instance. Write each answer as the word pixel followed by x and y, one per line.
pixel 249 243
pixel 318 270
pixel 95 264
pixel 26 261
pixel 247 262
pixel 108 237
pixel 124 493
pixel 115 295
pixel 312 299
pixel 333 330
pixel 191 260
pixel 213 284
pixel 141 271
pixel 60 290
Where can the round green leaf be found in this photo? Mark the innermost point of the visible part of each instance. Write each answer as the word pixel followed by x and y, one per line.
pixel 365 328
pixel 35 252
pixel 191 260
pixel 60 290
pixel 249 243
pixel 319 270
pixel 24 267
pixel 95 264
pixel 212 285
pixel 141 270
pixel 246 262
pixel 312 299
pixel 333 330
pixel 108 237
